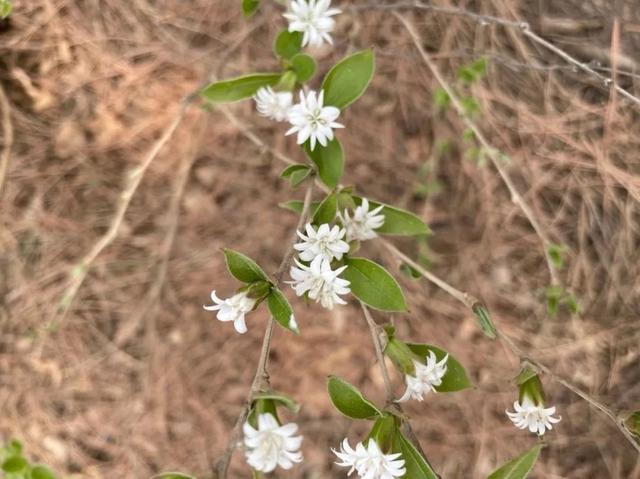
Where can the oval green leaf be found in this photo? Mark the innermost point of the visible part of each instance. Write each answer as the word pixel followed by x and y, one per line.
pixel 416 464
pixel 349 401
pixel 327 210
pixel 304 67
pixel 348 79
pixel 329 160
pixel 455 379
pixel 236 89
pixel 373 285
pixel 520 467
pixel 280 398
pixel 243 268
pixel 15 464
pixel 397 221
pixel 42 472
pixel 281 310
pixel 287 44
pixel 249 7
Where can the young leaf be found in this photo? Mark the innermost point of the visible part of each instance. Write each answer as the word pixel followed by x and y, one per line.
pixel 396 221
pixel 485 322
pixel 632 423
pixel 296 173
pixel 441 99
pixel 42 472
pixel 281 310
pixel 283 399
pixel 228 91
pixel 304 66
pixel 348 79
pixel 297 205
pixel 329 160
pixel 5 9
pixel 287 44
pixel 373 285
pixel 520 467
pixel 243 268
pixel 249 7
pixel 349 401
pixel 15 464
pixel 455 379
pixel 327 210
pixel 415 463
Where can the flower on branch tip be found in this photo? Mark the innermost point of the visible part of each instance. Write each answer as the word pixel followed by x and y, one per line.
pixel 274 105
pixel 271 444
pixel 320 282
pixel 312 121
pixel 370 462
pixel 532 416
pixel 427 377
pixel 232 309
pixel 363 224
pixel 313 19
pixel 326 242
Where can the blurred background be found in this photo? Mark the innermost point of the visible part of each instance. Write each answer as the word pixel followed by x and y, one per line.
pixel 136 378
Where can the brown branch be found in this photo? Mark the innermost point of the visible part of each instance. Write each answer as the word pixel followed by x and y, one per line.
pixel 7 137
pixel 261 378
pixel 374 329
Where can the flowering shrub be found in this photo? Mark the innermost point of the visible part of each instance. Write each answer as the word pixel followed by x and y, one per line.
pixel 328 271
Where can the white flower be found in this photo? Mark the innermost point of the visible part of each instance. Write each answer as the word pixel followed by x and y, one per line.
pixel 427 376
pixel 361 227
pixel 271 444
pixel 313 121
pixel 325 242
pixel 232 309
pixel 313 19
pixel 322 284
pixel 534 417
pixel 369 462
pixel 274 105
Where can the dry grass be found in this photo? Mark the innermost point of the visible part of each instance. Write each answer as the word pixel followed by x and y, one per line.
pixel 137 378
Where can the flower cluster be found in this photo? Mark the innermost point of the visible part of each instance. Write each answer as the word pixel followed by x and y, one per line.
pixel 426 377
pixel 313 19
pixel 318 280
pixel 362 225
pixel 532 416
pixel 271 444
pixel 369 461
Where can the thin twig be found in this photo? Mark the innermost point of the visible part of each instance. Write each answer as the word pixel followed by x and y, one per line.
pixel 7 137
pixel 261 378
pixel 375 337
pixel 524 27
pixel 492 152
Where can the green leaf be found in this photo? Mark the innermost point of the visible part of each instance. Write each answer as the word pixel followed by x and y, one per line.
pixel 470 106
pixel 5 9
pixel 455 379
pixel 249 7
pixel 409 271
pixel 415 463
pixel 173 475
pixel 243 268
pixel 296 173
pixel 327 210
pixel 281 310
pixel 15 464
pixel 475 71
pixel 297 205
pixel 348 79
pixel 383 431
pixel 329 160
pixel 441 99
pixel 349 401
pixel 42 472
pixel 396 221
pixel 287 44
pixel 373 285
pixel 520 467
pixel 228 91
pixel 304 66
pixel 280 398
pixel 485 322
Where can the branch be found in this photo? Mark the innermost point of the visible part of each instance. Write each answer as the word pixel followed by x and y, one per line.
pixel 523 27
pixel 7 136
pixel 377 345
pixel 261 377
